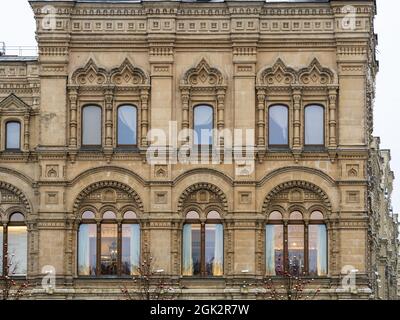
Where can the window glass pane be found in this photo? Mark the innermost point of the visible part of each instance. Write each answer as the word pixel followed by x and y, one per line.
pixel 192 215
pixel 318 265
pixel 87 249
pixel 91 126
pixel 109 249
pixel 13 135
pixel 17 250
pixel 274 249
pixel 191 249
pixel 213 215
pixel 203 125
pixel 109 215
pixel 130 249
pixel 317 215
pixel 214 249
pixel 17 217
pixel 296 215
pixel 278 125
pixel 88 215
pixel 276 215
pixel 1 250
pixel 127 121
pixel 314 125
pixel 296 249
pixel 130 215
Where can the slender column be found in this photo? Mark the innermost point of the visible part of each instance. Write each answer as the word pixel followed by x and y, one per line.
pixel 296 118
pixel 261 117
pixel 109 97
pixel 185 107
pixel 144 98
pixel 332 117
pixel 73 97
pixel 221 113
pixel 26 132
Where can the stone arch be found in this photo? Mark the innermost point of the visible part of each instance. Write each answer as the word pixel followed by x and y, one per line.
pixel 128 75
pixel 320 194
pixel 203 75
pixel 316 74
pixel 13 197
pixel 196 189
pixel 90 75
pixel 89 193
pixel 277 75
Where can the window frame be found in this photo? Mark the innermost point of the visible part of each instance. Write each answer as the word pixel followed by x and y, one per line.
pixel 203 223
pixel 278 146
pixel 311 146
pixel 127 146
pixel 119 223
pixel 4 254
pixel 6 135
pixel 92 146
pixel 201 146
pixel 305 224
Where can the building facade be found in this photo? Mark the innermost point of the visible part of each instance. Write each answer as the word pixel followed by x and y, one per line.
pixel 80 195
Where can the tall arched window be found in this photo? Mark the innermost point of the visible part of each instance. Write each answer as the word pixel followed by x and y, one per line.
pixel 14 244
pixel 109 248
pixel 127 126
pixel 203 245
pixel 13 135
pixel 91 126
pixel 296 247
pixel 314 125
pixel 203 123
pixel 278 126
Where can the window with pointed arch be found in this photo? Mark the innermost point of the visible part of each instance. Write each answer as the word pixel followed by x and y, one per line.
pixel 203 245
pixel 296 246
pixel 14 244
pixel 109 247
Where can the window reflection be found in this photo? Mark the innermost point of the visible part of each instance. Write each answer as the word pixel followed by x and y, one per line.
pixel 274 250
pixel 87 249
pixel 127 124
pixel 296 249
pixel 130 249
pixel 214 250
pixel 1 250
pixel 203 125
pixel 17 250
pixel 278 125
pixel 13 135
pixel 91 126
pixel 317 250
pixel 314 125
pixel 109 249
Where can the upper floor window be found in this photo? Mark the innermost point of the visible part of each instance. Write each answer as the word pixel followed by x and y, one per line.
pixel 127 126
pixel 91 126
pixel 314 125
pixel 14 245
pixel 203 120
pixel 109 248
pixel 296 247
pixel 13 135
pixel 203 245
pixel 278 125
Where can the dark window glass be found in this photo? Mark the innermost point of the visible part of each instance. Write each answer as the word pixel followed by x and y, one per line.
pixel 203 125
pixel 127 125
pixel 91 126
pixel 278 125
pixel 13 135
pixel 109 249
pixel 314 125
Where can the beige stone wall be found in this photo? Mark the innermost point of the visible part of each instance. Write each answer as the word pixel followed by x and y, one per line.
pixel 239 47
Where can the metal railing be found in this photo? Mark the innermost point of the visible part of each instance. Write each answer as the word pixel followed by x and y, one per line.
pixel 20 51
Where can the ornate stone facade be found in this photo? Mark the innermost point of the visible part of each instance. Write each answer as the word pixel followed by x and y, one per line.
pixel 165 58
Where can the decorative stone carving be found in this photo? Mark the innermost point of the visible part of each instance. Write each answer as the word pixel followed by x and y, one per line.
pixel 90 75
pixel 12 196
pixel 128 75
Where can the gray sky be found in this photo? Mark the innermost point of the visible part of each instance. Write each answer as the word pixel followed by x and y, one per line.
pixel 17 29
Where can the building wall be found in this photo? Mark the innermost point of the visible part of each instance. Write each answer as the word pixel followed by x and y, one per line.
pixel 239 57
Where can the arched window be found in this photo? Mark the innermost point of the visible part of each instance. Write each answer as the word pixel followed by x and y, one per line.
pixel 203 245
pixel 127 126
pixel 278 126
pixel 314 125
pixel 296 247
pixel 118 245
pixel 203 125
pixel 13 135
pixel 91 126
pixel 14 244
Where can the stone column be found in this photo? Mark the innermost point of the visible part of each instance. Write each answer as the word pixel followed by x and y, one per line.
pixel 332 93
pixel 109 97
pixel 296 118
pixel 261 117
pixel 144 123
pixel 26 132
pixel 73 123
pixel 185 93
pixel 221 113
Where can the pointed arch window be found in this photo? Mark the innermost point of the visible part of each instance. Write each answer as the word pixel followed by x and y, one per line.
pixel 278 125
pixel 203 245
pixel 13 135
pixel 295 246
pixel 14 244
pixel 91 126
pixel 127 125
